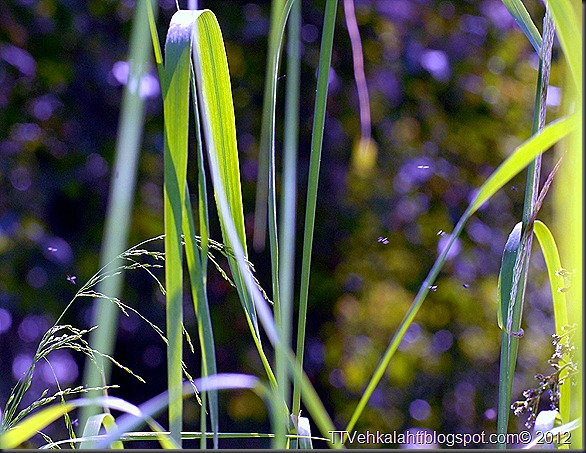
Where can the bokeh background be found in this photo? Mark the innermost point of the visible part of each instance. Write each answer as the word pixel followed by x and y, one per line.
pixel 451 86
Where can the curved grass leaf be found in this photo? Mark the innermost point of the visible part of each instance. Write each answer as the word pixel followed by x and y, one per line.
pixel 557 284
pixel 92 428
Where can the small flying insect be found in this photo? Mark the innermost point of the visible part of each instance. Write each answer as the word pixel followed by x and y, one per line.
pixel 383 240
pixel 71 279
pixel 433 288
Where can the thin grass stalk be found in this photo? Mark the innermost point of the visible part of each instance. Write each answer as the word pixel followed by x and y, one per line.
pixel 289 192
pixel 510 343
pixel 325 58
pixel 122 188
pixel 268 114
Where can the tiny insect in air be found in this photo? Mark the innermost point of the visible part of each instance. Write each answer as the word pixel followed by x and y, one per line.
pixel 383 240
pixel 465 285
pixel 71 279
pixel 433 288
pixel 51 249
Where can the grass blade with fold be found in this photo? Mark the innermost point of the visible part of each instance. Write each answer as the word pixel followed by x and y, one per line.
pixel 176 114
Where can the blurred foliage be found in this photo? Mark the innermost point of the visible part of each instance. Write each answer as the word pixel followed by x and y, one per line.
pixel 451 85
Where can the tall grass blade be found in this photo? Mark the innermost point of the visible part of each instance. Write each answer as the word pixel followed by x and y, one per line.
pixel 176 114
pixel 568 212
pixel 325 58
pixel 120 198
pixel 567 17
pixel 289 193
pixel 522 17
pixel 513 300
pixel 267 125
pixel 518 160
pixel 217 110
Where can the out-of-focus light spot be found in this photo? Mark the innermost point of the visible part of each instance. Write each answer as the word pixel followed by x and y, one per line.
pixel 473 24
pixel 147 88
pixel 496 64
pixel 554 96
pixel 21 179
pixel 412 334
pixel 32 328
pixel 490 414
pixel 62 365
pixel 21 364
pixel 37 277
pixel 152 356
pixel 442 341
pixel 419 410
pixel 26 132
pixel 491 94
pixel 436 63
pixel 446 10
pixel 57 249
pixel 19 58
pixel 497 13
pixel 120 71
pixel 454 250
pixel 479 232
pixel 5 320
pixel 309 33
pixel 96 165
pixel 43 107
pixel 337 378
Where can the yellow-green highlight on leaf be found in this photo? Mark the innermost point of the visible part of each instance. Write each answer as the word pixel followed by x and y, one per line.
pixel 567 15
pixel 92 428
pixel 557 284
pixel 176 116
pixel 29 426
pixel 219 124
pixel 522 156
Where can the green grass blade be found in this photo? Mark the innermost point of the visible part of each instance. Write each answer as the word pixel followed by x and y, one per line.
pixel 92 428
pixel 522 17
pixel 120 201
pixel 202 311
pixel 509 315
pixel 267 129
pixel 176 116
pixel 558 296
pixel 289 192
pixel 325 58
pixel 217 111
pixel 518 160
pixel 567 17
pixel 522 156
